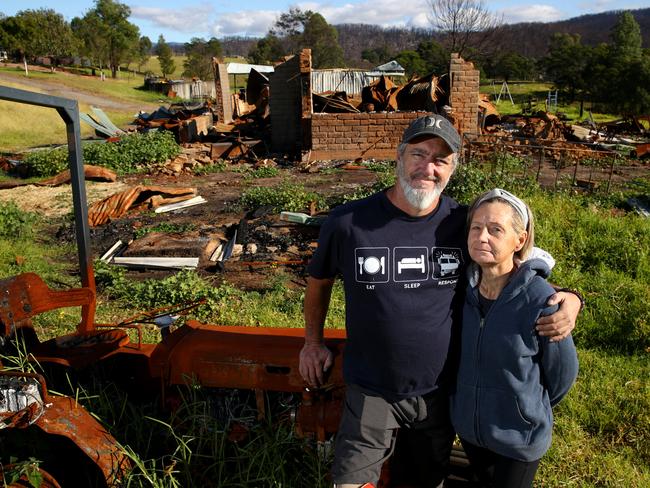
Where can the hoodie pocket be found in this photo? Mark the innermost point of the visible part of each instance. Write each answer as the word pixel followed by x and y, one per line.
pixel 502 420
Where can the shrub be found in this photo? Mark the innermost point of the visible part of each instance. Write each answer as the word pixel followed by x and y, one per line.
pixel 470 180
pixel 133 151
pixel 285 196
pixel 14 222
pixel 46 162
pixel 263 172
pixel 165 227
pixel 384 180
pixel 127 155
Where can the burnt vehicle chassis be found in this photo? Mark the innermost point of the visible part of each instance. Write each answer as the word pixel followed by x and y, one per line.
pixel 262 361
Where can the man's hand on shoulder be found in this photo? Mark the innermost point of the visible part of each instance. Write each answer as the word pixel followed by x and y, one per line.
pixel 559 325
pixel 315 360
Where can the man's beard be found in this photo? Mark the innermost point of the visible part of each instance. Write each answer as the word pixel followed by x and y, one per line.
pixel 419 198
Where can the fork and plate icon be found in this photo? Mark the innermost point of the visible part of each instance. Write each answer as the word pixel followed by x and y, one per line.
pixel 371 265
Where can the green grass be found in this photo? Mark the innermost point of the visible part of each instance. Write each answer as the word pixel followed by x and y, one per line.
pixel 153 65
pixel 522 92
pixel 17 126
pixel 602 428
pixel 602 433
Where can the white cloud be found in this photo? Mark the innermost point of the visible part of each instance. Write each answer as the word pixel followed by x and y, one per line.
pixel 254 23
pixel 532 13
pixel 191 19
pixel 597 6
pixel 380 12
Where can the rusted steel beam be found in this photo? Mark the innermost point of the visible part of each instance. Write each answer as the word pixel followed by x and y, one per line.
pixel 69 112
pixel 26 295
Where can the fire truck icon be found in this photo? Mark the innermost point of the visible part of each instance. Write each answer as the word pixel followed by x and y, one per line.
pixel 411 263
pixel 449 264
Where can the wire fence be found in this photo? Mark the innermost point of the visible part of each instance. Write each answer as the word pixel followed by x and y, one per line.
pixel 555 164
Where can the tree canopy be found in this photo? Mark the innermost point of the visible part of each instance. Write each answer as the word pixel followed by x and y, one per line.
pixel 41 32
pixel 108 35
pixel 165 57
pixel 199 54
pixel 615 75
pixel 295 30
pixel 322 39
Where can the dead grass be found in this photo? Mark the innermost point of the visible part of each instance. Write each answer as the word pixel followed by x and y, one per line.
pixel 56 201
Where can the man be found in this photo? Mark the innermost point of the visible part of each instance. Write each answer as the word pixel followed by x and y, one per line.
pixel 402 255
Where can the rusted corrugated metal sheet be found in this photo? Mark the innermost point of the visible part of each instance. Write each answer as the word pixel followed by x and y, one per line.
pixel 139 197
pixel 347 80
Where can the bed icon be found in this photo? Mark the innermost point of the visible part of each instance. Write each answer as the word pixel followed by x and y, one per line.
pixel 411 263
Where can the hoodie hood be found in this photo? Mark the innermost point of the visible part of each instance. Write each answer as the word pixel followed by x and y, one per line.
pixel 537 254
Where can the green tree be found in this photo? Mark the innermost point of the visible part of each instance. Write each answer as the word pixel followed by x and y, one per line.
pixel 322 39
pixel 40 32
pixel 92 46
pixel 116 38
pixel 412 63
pixel 289 28
pixel 144 51
pixel 511 66
pixel 165 57
pixel 628 90
pixel 435 57
pixel 626 38
pixel 267 50
pixel 566 64
pixel 199 54
pixel 377 55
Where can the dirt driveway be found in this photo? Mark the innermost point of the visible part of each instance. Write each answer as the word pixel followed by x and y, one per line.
pixel 54 88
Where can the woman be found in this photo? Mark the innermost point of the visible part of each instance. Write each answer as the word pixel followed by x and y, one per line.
pixel 509 377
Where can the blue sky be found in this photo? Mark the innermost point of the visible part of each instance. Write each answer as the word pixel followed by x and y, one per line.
pixel 180 20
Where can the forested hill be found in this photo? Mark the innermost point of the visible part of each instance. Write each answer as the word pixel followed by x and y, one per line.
pixel 529 39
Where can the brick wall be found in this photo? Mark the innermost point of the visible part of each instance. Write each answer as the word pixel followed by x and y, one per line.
pixel 463 94
pixel 300 133
pixel 363 135
pixel 222 91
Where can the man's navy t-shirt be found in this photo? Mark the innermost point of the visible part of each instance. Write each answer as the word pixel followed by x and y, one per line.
pixel 401 276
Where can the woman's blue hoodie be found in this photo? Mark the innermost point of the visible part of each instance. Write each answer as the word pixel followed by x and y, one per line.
pixel 510 377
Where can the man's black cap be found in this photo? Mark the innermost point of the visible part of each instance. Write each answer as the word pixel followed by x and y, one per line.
pixel 433 125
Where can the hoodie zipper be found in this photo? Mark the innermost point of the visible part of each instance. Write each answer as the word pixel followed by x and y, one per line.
pixel 478 369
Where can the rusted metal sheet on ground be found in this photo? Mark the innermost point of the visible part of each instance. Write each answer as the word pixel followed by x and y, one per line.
pixel 25 402
pixel 92 173
pixel 67 418
pixel 642 150
pixel 234 149
pixel 135 199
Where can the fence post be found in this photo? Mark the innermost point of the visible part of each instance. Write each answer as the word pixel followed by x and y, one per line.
pixel 541 161
pixel 611 172
pixel 575 172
